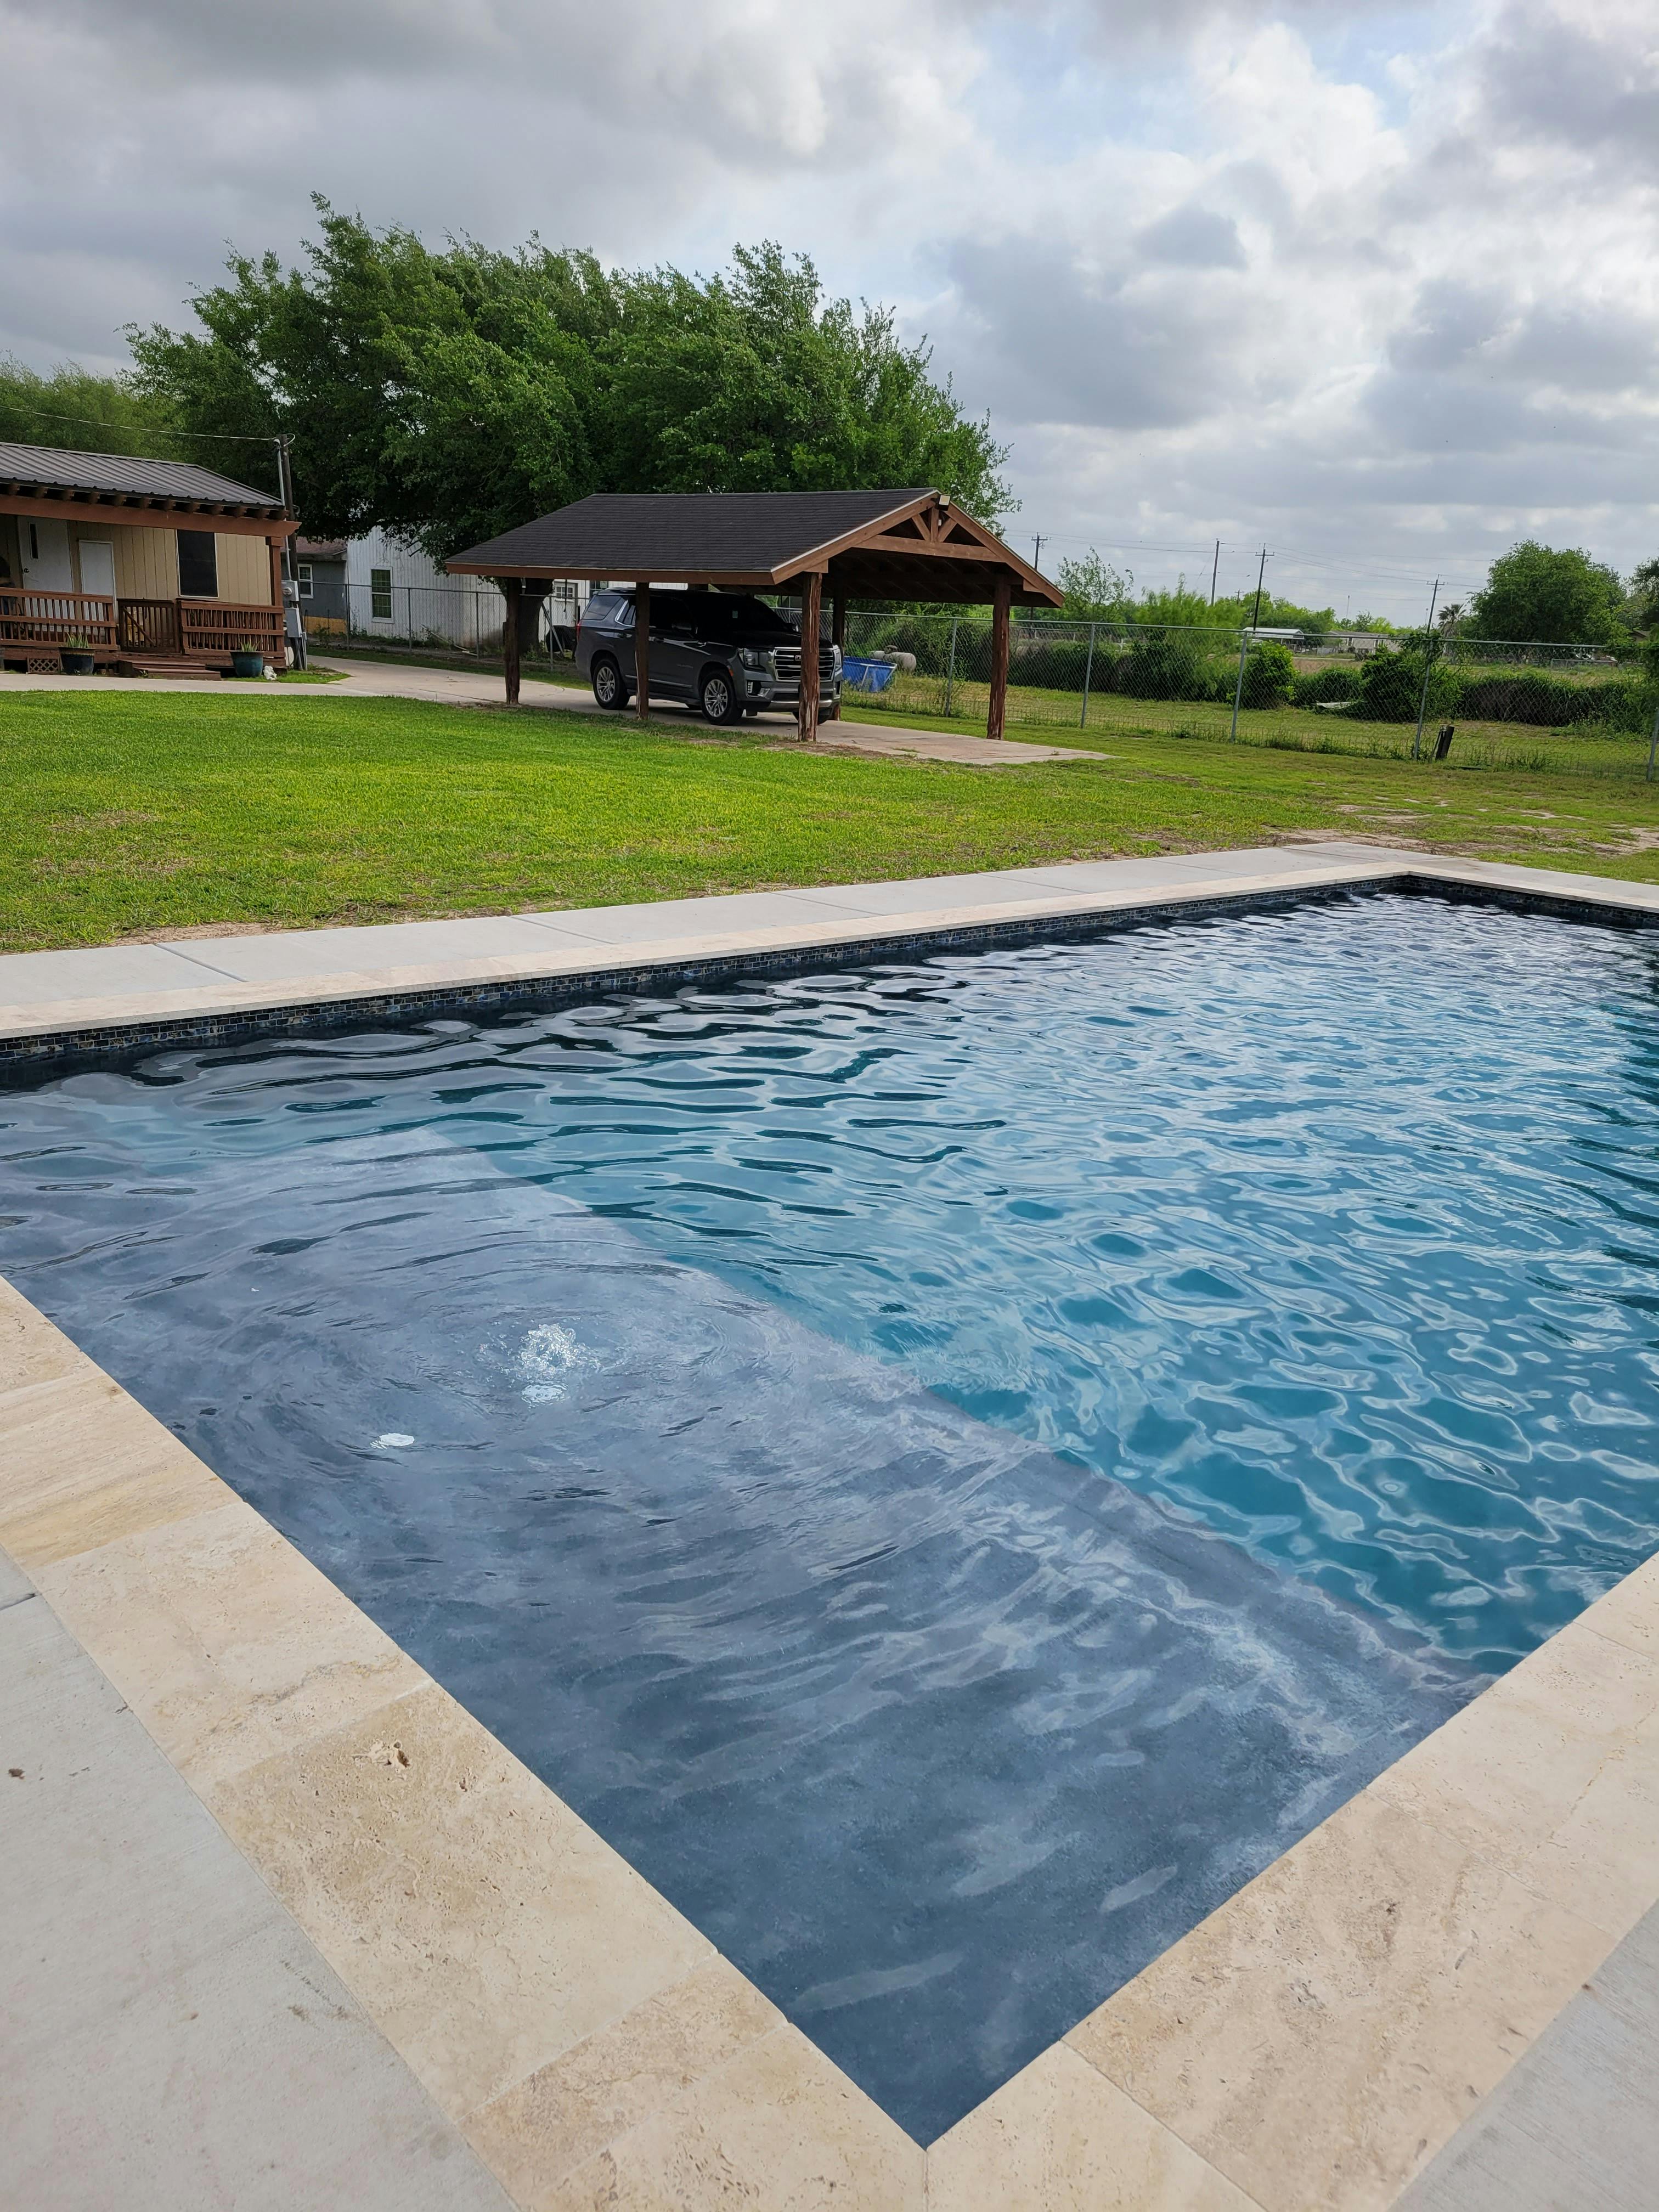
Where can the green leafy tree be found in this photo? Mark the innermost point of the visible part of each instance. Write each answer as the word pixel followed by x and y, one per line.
pixel 447 394
pixel 1269 673
pixel 1641 607
pixel 1096 591
pixel 1391 683
pixel 75 408
pixel 1543 594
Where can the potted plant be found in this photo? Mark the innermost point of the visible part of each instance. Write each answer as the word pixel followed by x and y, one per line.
pixel 247 657
pixel 75 651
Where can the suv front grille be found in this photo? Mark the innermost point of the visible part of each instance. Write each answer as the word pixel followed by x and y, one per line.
pixel 787 660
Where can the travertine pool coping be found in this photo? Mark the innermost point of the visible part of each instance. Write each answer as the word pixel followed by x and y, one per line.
pixel 1313 2043
pixel 108 999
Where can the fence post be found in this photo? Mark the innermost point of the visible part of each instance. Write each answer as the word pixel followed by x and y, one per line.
pixel 950 666
pixel 1653 744
pixel 1088 671
pixel 1428 663
pixel 1239 688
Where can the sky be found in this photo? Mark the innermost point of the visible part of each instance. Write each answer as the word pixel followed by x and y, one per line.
pixel 1374 286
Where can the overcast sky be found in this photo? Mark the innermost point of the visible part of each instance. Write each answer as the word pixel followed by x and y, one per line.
pixel 1375 285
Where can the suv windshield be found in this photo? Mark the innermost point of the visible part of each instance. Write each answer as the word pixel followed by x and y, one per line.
pixel 710 614
pixel 724 614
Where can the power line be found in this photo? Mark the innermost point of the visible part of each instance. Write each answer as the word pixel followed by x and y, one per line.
pixel 1347 563
pixel 156 429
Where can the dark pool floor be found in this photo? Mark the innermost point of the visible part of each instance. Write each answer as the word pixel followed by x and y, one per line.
pixel 939 1737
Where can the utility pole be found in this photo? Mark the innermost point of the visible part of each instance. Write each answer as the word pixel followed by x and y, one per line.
pixel 1428 663
pixel 1036 558
pixel 290 572
pixel 1260 572
pixel 1215 570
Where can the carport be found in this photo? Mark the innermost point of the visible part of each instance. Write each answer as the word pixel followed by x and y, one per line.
pixel 868 546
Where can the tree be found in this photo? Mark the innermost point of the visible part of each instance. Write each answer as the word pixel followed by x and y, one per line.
pixel 446 395
pixel 75 408
pixel 1536 594
pixel 1641 608
pixel 1269 673
pixel 1391 686
pixel 1095 592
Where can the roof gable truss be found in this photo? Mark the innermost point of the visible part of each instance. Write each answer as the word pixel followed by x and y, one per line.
pixel 926 526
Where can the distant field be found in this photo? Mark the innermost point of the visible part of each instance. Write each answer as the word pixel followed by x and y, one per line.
pixel 136 814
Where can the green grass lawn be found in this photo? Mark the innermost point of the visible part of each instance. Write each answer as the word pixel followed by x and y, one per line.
pixel 157 812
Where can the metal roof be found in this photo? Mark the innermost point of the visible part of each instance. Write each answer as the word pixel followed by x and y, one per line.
pixel 883 543
pixel 52 468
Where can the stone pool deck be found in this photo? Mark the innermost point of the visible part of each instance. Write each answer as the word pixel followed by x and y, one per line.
pixel 287 1926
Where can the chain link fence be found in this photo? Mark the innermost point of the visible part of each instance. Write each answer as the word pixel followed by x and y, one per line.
pixel 1349 691
pixel 460 620
pixel 1340 691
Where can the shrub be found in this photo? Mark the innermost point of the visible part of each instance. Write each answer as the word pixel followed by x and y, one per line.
pixel 1269 675
pixel 1326 687
pixel 1391 686
pixel 1548 702
pixel 1045 664
pixel 1162 667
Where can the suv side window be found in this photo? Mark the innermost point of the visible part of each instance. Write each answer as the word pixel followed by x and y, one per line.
pixel 607 609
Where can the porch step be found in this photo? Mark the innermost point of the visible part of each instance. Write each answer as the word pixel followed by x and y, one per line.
pixel 172 667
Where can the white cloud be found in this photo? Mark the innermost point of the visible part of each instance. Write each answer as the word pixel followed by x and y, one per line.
pixel 1378 284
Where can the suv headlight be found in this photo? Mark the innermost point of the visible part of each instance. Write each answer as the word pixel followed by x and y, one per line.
pixel 754 656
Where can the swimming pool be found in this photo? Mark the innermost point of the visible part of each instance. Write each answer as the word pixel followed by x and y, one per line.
pixel 949 1467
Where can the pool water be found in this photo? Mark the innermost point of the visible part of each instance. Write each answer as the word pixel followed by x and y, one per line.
pixel 950 1466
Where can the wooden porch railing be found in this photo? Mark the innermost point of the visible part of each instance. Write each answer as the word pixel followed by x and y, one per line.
pixel 210 626
pixel 209 629
pixel 57 618
pixel 149 626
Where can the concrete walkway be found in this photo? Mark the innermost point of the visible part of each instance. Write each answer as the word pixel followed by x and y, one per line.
pixel 141 1953
pixel 467 687
pixel 1577 2123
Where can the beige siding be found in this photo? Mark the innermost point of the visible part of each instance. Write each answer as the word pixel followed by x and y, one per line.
pixel 146 561
pixel 244 571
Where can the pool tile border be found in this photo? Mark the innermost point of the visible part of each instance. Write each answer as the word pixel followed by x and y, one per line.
pixel 1315 2041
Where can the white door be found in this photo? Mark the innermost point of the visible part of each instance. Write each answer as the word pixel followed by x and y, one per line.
pixel 97 566
pixel 45 549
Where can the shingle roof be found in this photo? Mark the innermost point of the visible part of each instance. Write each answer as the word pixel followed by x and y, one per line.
pixel 657 533
pixel 125 475
pixel 763 539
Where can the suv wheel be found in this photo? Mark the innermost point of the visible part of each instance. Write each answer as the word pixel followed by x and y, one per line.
pixel 608 687
pixel 719 698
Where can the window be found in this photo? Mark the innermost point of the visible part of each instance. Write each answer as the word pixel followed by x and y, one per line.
pixel 198 565
pixel 302 577
pixel 379 595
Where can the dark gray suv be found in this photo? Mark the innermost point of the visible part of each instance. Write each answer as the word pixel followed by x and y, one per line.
pixel 724 654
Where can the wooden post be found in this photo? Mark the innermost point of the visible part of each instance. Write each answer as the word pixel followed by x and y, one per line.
pixel 997 715
pixel 280 657
pixel 812 621
pixel 512 592
pixel 642 648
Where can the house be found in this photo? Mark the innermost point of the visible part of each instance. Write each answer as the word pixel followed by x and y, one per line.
pixel 151 566
pixel 391 590
pixel 319 573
